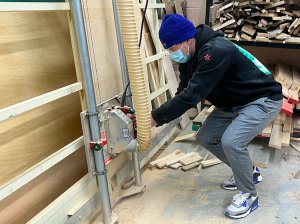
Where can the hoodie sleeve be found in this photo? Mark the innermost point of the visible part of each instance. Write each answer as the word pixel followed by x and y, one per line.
pixel 212 65
pixel 184 78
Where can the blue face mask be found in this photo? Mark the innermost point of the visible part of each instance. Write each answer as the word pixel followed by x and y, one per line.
pixel 179 57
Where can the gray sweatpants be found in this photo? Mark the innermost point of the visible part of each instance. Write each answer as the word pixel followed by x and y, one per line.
pixel 226 134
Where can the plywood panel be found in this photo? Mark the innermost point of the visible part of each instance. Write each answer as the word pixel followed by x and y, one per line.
pixel 103 48
pixel 36 195
pixel 35 57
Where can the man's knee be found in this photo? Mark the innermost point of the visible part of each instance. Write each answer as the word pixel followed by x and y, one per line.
pixel 229 143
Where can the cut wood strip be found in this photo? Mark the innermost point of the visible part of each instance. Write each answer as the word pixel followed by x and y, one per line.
pixel 210 162
pixel 288 125
pixel 190 166
pixel 204 159
pixel 191 159
pixel 276 136
pixel 153 163
pixel 175 166
pixel 35 102
pixel 267 131
pixel 178 7
pixel 37 6
pixel 286 136
pixel 175 160
pixel 249 29
pixel 293 96
pixel 210 109
pixel 221 26
pixel 185 137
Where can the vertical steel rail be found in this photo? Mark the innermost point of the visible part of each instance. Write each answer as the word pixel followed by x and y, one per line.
pixel 92 109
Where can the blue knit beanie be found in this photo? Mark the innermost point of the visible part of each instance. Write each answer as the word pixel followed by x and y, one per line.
pixel 175 29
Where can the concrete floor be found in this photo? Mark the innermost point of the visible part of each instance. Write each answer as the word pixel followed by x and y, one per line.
pixel 177 197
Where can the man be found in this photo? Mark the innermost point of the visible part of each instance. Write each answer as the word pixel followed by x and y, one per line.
pixel 243 91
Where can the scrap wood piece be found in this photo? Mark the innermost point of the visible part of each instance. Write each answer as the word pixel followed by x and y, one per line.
pixel 191 159
pixel 175 166
pixel 177 159
pixel 185 137
pixel 221 26
pixel 246 37
pixel 286 136
pixel 293 40
pixel 267 131
pixel 296 79
pixel 178 7
pixel 288 125
pixel 285 92
pixel 210 162
pixel 275 4
pixel 287 108
pixel 249 29
pixel 276 136
pixel 190 166
pixel 280 119
pixel 204 158
pixel 160 163
pixel 293 96
pixel 294 25
pixel 210 109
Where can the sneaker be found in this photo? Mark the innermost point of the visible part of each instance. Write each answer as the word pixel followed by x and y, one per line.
pixel 230 183
pixel 242 205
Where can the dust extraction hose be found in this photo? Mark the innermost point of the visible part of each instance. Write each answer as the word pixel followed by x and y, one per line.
pixel 128 9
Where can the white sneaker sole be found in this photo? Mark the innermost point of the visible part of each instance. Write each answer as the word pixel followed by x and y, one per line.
pixel 251 209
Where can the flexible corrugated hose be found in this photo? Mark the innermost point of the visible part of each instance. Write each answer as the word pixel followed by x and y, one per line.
pixel 127 15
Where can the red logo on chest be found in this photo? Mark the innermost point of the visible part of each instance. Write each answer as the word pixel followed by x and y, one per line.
pixel 207 57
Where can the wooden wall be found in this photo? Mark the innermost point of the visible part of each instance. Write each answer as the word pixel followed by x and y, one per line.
pixel 35 58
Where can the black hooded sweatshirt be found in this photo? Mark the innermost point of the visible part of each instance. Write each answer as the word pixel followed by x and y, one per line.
pixel 221 72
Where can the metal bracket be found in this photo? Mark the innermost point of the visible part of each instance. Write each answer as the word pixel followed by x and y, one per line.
pixel 89 114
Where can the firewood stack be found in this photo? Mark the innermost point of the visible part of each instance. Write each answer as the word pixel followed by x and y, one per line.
pixel 257 20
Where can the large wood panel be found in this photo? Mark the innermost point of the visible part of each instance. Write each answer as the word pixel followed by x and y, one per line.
pixel 103 48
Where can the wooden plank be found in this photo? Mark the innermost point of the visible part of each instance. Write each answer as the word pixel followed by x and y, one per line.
pixel 191 159
pixel 296 79
pixel 153 163
pixel 175 166
pixel 249 29
pixel 288 125
pixel 156 57
pixel 267 131
pixel 178 7
pixel 175 160
pixel 152 5
pixel 210 162
pixel 171 79
pixel 19 108
pixel 185 137
pixel 41 167
pixel 210 109
pixel 190 166
pixel 159 91
pixel 275 4
pixel 286 136
pixel 163 163
pixel 276 136
pixel 221 26
pixel 283 75
pixel 168 8
pixel 246 37
pixel 204 159
pixel 293 96
pixel 36 6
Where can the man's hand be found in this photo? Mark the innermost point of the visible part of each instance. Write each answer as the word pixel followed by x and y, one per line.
pixel 153 122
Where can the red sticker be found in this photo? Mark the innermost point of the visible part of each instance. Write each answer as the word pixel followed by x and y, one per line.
pixel 207 57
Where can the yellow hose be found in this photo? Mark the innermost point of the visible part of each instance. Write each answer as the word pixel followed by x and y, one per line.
pixel 128 10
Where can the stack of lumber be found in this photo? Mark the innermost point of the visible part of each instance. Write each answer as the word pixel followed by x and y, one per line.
pixel 185 161
pixel 258 20
pixel 286 126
